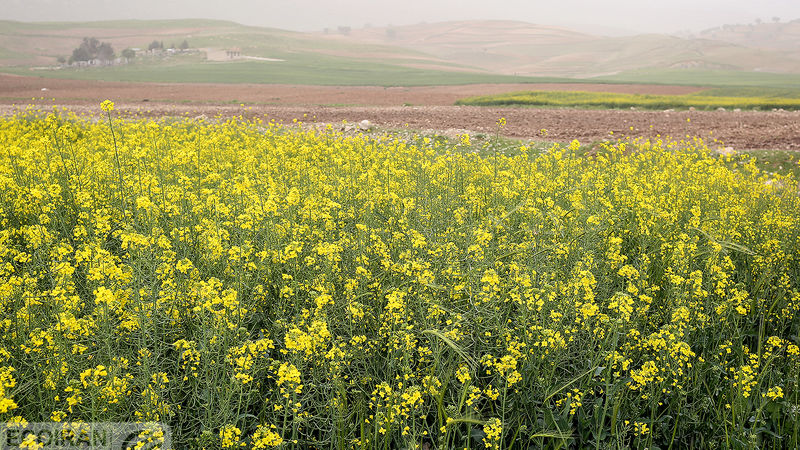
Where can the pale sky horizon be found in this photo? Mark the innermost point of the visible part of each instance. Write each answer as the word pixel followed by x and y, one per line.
pixel 611 16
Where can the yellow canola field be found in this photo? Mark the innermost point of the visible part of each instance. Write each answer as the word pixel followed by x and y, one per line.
pixel 254 286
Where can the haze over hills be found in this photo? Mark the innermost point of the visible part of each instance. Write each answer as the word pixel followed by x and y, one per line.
pixel 29 44
pixel 534 50
pixel 780 36
pixel 481 48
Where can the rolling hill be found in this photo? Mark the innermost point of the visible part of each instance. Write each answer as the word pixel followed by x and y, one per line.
pixel 534 50
pixel 437 53
pixel 43 43
pixel 779 36
pixel 266 55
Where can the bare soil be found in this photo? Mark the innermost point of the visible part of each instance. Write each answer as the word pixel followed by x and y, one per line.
pixel 19 88
pixel 427 108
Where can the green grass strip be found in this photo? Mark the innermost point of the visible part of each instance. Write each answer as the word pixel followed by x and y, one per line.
pixel 609 100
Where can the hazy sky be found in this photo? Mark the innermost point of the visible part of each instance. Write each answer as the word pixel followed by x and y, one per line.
pixel 310 15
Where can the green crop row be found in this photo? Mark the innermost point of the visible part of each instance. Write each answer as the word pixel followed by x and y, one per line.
pixel 581 99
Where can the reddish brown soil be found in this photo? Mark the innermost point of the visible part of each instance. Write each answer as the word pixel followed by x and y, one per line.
pixel 76 91
pixel 432 110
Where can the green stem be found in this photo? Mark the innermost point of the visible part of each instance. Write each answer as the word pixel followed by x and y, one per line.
pixel 118 164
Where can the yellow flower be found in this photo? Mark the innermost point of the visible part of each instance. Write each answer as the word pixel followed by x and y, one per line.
pixel 31 442
pixel 640 428
pixel 290 376
pixel 493 430
pixel 265 436
pixel 229 436
pixel 774 393
pixel 107 105
pixel 463 374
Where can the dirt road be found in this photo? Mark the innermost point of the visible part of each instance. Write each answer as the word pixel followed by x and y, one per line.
pixel 428 108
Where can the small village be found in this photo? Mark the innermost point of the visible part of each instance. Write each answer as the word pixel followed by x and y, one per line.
pixel 93 53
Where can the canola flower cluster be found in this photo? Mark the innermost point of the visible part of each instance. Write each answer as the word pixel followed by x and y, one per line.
pixel 260 286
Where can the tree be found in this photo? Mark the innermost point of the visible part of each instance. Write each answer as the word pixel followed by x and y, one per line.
pixel 105 52
pixel 90 49
pixel 184 44
pixel 79 54
pixel 156 45
pixel 128 53
pixel 86 51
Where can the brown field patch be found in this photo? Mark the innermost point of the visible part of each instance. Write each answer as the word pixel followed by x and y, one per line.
pixel 431 109
pixel 15 89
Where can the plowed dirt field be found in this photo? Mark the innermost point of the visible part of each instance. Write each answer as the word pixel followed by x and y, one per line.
pixel 420 108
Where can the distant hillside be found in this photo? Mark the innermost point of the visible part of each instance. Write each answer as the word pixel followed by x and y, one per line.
pixel 780 36
pixel 534 50
pixel 260 55
pixel 42 43
pixel 227 52
pixel 39 44
pixel 438 53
